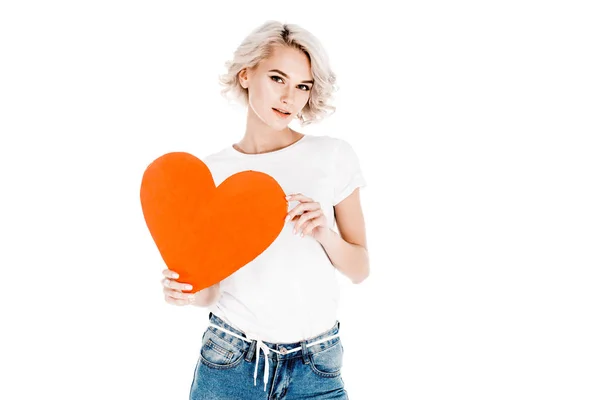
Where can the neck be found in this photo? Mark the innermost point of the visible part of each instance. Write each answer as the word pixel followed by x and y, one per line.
pixel 261 138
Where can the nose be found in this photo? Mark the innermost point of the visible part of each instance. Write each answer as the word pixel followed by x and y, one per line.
pixel 287 97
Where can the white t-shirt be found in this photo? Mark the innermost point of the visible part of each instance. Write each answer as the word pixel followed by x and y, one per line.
pixel 290 292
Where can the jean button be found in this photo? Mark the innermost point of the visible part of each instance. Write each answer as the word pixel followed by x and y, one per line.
pixel 283 350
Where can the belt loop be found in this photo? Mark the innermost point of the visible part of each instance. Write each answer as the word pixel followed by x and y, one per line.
pixel 250 352
pixel 304 352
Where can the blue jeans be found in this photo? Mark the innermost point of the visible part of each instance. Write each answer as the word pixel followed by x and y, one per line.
pixel 227 367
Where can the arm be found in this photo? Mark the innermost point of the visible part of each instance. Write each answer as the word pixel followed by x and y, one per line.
pixel 208 296
pixel 348 250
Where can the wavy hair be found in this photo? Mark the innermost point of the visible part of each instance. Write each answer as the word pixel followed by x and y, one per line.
pixel 259 45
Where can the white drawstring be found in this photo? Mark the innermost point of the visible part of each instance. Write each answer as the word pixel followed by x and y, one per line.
pixel 265 349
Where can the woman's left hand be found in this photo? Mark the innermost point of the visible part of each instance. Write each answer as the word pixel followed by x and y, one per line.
pixel 308 216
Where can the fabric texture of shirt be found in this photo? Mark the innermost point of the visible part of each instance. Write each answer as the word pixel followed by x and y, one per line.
pixel 290 292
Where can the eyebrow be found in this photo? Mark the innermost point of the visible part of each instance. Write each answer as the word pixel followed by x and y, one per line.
pixel 284 74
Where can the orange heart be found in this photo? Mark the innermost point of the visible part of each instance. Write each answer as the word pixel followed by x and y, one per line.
pixel 203 232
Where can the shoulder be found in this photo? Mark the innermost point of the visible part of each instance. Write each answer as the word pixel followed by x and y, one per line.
pixel 217 157
pixel 330 144
pixel 324 139
pixel 337 151
pixel 340 149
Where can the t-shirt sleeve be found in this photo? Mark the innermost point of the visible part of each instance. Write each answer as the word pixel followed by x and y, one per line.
pixel 347 173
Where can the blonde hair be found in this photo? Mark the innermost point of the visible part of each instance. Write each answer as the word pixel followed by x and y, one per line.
pixel 259 44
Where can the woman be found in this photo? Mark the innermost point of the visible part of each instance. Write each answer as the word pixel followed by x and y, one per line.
pixel 278 313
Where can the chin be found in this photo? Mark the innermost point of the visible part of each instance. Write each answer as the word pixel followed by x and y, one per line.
pixel 279 125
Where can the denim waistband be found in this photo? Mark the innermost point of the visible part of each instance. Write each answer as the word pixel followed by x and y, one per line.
pixel 253 345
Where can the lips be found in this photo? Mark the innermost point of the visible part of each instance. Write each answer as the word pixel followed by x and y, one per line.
pixel 283 112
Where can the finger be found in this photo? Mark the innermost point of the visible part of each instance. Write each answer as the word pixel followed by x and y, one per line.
pixel 176 294
pixel 298 197
pixel 304 218
pixel 168 283
pixel 303 207
pixel 176 302
pixel 177 297
pixel 170 274
pixel 314 223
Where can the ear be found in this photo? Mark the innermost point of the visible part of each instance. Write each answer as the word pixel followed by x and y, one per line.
pixel 243 78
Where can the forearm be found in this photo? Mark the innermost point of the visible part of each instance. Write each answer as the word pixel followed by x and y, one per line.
pixel 208 296
pixel 350 259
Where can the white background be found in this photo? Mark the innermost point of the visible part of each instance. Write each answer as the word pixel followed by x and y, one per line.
pixel 476 125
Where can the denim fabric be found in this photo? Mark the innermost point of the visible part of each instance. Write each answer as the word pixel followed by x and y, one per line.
pixel 226 366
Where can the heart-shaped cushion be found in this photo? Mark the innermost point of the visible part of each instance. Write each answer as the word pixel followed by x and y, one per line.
pixel 203 232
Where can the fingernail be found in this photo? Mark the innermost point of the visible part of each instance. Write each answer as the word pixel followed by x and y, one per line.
pixel 175 276
pixel 287 218
pixel 188 287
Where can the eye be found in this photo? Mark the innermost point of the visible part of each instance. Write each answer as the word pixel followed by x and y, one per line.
pixel 275 77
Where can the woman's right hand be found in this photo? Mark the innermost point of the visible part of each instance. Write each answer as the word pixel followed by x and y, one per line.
pixel 173 291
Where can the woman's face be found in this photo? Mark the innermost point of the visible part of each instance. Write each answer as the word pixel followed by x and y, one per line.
pixel 282 81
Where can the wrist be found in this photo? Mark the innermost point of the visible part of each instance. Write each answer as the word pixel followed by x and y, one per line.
pixel 326 236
